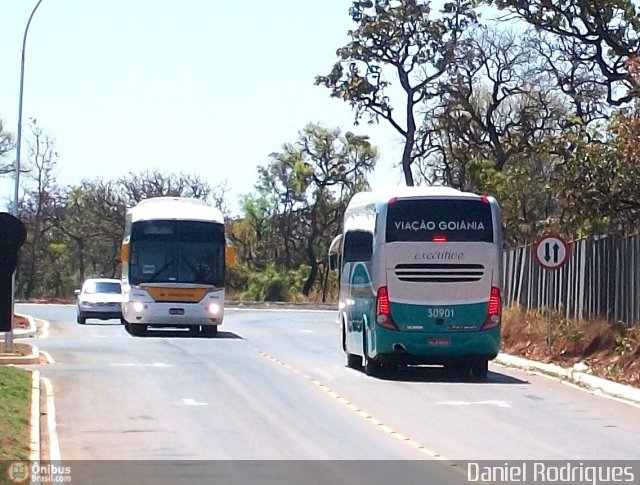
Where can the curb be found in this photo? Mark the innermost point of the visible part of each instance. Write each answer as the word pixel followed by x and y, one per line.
pixel 30 332
pixel 32 358
pixel 280 305
pixel 596 385
pixel 21 333
pixel 34 418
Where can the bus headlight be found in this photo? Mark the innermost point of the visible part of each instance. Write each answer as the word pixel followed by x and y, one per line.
pixel 138 306
pixel 213 308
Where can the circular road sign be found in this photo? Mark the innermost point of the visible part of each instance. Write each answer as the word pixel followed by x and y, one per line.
pixel 551 251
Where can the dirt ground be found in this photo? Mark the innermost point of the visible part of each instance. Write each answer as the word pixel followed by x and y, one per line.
pixel 20 322
pixel 607 350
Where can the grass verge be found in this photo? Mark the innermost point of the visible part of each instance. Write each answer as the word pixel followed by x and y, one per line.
pixel 15 406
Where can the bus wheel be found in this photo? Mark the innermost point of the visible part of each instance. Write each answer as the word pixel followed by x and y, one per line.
pixel 344 338
pixel 371 367
pixel 354 361
pixel 209 330
pixel 480 368
pixel 138 329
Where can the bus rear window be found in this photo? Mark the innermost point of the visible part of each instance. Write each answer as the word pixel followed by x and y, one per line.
pixel 453 220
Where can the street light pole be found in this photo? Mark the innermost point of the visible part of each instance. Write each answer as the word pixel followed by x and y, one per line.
pixel 16 191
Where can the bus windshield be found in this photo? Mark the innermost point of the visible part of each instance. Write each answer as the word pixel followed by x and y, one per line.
pixel 453 220
pixel 171 251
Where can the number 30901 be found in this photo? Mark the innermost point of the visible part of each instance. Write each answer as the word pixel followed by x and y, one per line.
pixel 440 312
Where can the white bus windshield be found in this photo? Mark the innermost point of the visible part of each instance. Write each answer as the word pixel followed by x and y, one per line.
pixel 169 251
pixel 453 220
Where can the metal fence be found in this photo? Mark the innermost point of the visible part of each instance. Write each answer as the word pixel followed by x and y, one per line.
pixel 600 280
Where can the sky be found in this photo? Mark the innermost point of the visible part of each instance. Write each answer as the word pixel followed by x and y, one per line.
pixel 205 87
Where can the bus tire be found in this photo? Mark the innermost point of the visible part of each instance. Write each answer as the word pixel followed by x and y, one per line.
pixel 371 367
pixel 479 368
pixel 354 361
pixel 209 330
pixel 138 329
pixel 344 337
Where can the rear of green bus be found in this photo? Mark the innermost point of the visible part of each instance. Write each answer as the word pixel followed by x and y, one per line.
pixel 438 280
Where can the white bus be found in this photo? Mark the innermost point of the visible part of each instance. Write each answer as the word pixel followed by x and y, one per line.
pixel 173 266
pixel 420 279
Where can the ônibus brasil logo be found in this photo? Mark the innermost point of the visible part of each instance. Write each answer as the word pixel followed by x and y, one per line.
pixel 18 472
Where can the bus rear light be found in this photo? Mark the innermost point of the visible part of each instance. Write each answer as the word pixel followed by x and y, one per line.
pixel 494 310
pixel 439 238
pixel 383 310
pixel 484 199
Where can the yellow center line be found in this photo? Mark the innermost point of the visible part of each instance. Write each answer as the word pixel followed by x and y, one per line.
pixel 367 416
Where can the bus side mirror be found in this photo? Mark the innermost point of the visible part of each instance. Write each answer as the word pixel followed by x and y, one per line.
pixel 229 255
pixel 333 262
pixel 125 252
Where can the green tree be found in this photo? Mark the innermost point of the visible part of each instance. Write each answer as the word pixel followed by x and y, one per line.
pixel 402 40
pixel 36 211
pixel 300 198
pixel 6 145
pixel 90 226
pixel 492 107
pixel 139 186
pixel 597 40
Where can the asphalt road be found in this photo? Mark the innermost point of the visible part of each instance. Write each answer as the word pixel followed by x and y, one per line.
pixel 274 386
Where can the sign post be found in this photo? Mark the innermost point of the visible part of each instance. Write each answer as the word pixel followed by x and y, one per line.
pixel 551 252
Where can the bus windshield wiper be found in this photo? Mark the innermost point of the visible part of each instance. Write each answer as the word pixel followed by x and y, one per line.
pixel 200 278
pixel 157 273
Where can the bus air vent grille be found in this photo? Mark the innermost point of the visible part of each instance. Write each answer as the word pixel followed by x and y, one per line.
pixel 439 272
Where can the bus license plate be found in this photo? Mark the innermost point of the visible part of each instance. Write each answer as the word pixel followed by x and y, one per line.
pixel 176 311
pixel 439 342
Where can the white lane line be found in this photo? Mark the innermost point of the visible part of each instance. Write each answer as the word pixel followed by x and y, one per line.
pixel 192 402
pixel 232 310
pixel 54 446
pixel 138 364
pixel 500 404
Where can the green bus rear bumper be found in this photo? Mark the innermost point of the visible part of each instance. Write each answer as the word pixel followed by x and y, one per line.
pixel 433 348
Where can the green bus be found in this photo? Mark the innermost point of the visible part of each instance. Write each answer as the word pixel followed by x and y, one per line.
pixel 420 275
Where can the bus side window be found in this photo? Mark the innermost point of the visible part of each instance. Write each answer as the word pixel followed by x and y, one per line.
pixel 358 246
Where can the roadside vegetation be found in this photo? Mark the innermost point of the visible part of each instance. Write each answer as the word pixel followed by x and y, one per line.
pixel 15 404
pixel 598 347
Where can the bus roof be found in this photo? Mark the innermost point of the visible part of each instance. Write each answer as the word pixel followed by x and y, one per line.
pixel 174 208
pixel 363 206
pixel 386 194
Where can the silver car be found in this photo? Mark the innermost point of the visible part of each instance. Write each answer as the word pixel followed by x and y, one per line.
pixel 99 298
